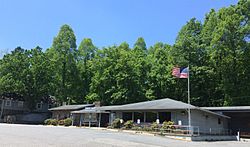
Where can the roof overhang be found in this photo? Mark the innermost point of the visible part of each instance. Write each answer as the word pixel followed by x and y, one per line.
pixel 71 107
pixel 90 110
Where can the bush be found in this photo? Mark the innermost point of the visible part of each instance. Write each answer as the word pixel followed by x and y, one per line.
pixel 168 125
pixel 129 124
pixel 61 122
pixel 116 123
pixel 136 128
pixel 154 126
pixel 47 122
pixel 147 128
pixel 54 122
pixel 67 122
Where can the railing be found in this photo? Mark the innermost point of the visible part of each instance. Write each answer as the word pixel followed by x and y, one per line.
pixel 186 130
pixel 216 131
pixel 179 130
pixel 170 130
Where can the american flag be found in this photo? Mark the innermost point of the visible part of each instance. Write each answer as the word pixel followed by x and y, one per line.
pixel 176 72
pixel 180 72
pixel 184 72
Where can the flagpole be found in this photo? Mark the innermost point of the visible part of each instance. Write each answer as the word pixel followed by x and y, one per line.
pixel 189 113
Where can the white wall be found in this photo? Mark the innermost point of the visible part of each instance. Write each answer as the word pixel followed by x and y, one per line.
pixel 177 115
pixel 205 121
pixel 208 122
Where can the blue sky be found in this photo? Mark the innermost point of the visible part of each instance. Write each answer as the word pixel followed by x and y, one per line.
pixel 29 23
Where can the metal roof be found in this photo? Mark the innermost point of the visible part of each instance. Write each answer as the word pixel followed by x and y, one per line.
pixel 154 105
pixel 109 107
pixel 228 108
pixel 161 104
pixel 90 110
pixel 211 112
pixel 71 107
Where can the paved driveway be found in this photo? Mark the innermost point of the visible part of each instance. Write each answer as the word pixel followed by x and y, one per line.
pixel 49 136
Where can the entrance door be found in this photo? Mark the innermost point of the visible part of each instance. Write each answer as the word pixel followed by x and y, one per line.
pixel 104 119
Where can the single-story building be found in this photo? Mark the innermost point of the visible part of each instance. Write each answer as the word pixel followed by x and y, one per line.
pixel 91 116
pixel 64 111
pixel 156 110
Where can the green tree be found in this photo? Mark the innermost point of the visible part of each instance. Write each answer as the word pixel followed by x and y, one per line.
pixel 14 68
pixel 87 52
pixel 160 81
pixel 63 56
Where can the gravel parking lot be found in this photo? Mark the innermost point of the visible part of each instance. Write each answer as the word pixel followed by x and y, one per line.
pixel 12 135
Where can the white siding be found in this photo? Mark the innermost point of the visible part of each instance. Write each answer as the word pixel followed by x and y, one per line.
pixel 207 122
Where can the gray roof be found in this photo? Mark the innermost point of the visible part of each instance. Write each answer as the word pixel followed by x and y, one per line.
pixel 109 107
pixel 71 107
pixel 161 104
pixel 228 108
pixel 90 110
pixel 208 111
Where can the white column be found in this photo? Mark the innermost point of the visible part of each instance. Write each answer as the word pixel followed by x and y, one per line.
pixel 80 120
pixel 89 120
pixel 72 117
pixel 99 120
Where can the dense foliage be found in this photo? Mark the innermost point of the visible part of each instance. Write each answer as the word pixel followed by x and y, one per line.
pixel 217 50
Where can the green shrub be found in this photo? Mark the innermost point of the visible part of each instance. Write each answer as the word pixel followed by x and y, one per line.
pixel 147 128
pixel 116 123
pixel 50 121
pixel 67 122
pixel 168 125
pixel 47 122
pixel 54 122
pixel 154 126
pixel 136 128
pixel 129 124
pixel 61 122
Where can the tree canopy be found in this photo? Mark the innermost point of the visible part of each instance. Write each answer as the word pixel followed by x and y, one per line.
pixel 217 51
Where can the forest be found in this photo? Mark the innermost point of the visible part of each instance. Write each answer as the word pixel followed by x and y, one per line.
pixel 217 51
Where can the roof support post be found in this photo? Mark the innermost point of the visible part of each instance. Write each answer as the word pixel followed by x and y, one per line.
pixel 89 120
pixel 80 120
pixel 100 115
pixel 144 113
pixel 133 116
pixel 72 117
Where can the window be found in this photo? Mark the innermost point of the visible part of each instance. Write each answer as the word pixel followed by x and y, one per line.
pixel 219 121
pixel 8 103
pixel 39 106
pixel 138 115
pixel 20 104
pixel 151 117
pixel 127 116
pixel 49 106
